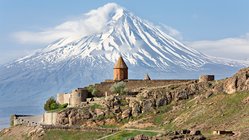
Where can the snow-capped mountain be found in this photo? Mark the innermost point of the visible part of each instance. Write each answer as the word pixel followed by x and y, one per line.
pixel 83 59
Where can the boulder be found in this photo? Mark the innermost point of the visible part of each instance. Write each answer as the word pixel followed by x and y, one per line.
pixel 238 82
pixel 117 109
pixel 140 137
pixel 160 101
pixel 126 113
pixel 195 132
pixel 135 108
pixel 230 85
pixel 148 105
pixel 72 116
pixel 99 112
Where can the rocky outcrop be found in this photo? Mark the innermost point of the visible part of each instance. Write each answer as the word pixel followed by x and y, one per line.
pixel 135 108
pixel 126 113
pixel 186 135
pixel 149 99
pixel 141 137
pixel 177 135
pixel 238 82
pixel 73 116
pixel 18 132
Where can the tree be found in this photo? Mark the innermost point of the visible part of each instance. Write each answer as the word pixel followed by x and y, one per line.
pixel 118 88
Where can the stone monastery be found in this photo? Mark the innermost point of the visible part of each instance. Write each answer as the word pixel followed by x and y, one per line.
pixel 120 73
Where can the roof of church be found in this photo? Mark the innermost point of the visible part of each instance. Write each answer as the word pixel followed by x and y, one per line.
pixel 147 77
pixel 120 63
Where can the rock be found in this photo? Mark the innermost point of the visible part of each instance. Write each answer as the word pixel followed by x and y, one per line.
pixel 246 100
pixel 218 88
pixel 110 121
pixel 195 132
pixel 117 101
pixel 181 95
pixel 160 101
pixel 117 109
pixel 140 137
pixel 230 85
pixel 135 108
pixel 126 113
pixel 185 131
pixel 238 82
pixel 99 112
pixel 5 130
pixel 186 135
pixel 72 121
pixel 72 116
pixel 223 132
pixel 208 94
pixel 148 105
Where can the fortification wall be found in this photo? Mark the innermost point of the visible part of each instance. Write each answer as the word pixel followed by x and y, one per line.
pixel 60 98
pixel 77 96
pixel 49 118
pixel 28 120
pixel 135 83
pixel 66 98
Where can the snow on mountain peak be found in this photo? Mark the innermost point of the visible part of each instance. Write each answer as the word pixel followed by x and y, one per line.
pixel 105 33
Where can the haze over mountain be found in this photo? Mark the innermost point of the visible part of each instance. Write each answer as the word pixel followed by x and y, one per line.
pixel 88 57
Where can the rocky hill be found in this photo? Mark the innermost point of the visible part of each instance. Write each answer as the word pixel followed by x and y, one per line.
pixel 202 107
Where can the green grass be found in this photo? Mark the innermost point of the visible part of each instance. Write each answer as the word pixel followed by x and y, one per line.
pixel 73 135
pixel 95 106
pixel 109 126
pixel 158 119
pixel 56 110
pixel 221 111
pixel 124 135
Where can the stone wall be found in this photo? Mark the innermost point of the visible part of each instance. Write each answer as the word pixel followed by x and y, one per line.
pixel 49 118
pixel 60 98
pixel 28 120
pixel 77 96
pixel 132 84
pixel 67 98
pixel 74 98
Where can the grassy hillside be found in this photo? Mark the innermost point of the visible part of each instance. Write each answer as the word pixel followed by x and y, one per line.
pixel 73 135
pixel 217 112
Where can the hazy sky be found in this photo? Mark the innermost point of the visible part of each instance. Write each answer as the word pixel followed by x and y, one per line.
pixel 215 27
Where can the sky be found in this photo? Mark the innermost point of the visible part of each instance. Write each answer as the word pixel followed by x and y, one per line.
pixel 215 27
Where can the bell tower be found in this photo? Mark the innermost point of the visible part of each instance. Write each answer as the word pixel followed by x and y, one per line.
pixel 120 70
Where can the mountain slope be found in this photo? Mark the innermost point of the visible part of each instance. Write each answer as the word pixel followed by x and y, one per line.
pixel 79 60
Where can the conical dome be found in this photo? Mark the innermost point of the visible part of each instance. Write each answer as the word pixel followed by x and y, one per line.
pixel 120 64
pixel 147 77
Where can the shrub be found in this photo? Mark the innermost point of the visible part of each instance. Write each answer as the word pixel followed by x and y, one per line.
pixel 93 90
pixel 48 105
pixel 118 88
pixel 54 106
pixel 51 104
pixel 63 105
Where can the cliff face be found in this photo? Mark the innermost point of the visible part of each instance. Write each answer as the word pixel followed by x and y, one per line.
pixel 238 82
